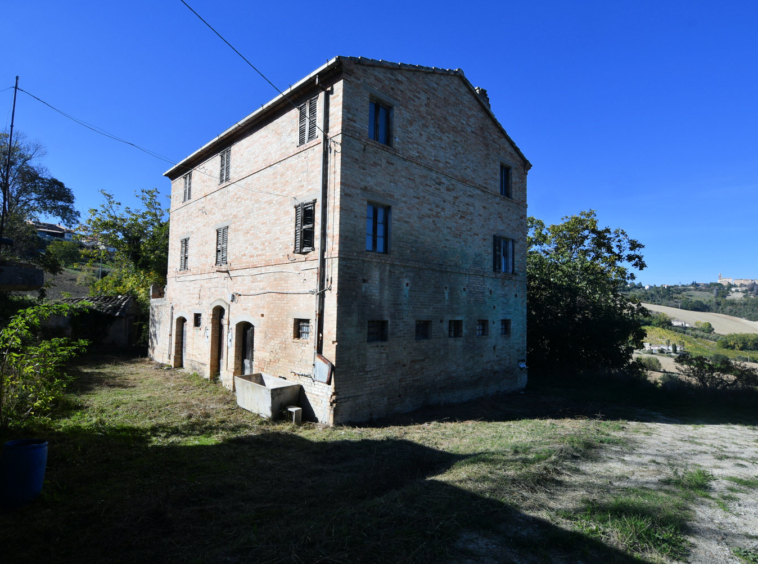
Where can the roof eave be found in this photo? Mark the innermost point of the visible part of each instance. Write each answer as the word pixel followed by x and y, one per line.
pixel 176 170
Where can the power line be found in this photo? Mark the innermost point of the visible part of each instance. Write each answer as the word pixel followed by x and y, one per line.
pixel 249 63
pixel 101 131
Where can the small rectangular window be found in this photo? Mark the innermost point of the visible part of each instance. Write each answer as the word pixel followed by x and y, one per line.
pixel 184 254
pixel 302 329
pixel 307 116
pixel 380 123
pixel 222 242
pixel 505 327
pixel 505 181
pixel 377 228
pixel 503 255
pixel 305 221
pixel 481 328
pixel 455 328
pixel 187 187
pixel 423 330
pixel 377 331
pixel 198 320
pixel 225 166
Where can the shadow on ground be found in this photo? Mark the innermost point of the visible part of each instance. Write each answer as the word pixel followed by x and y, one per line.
pixel 272 497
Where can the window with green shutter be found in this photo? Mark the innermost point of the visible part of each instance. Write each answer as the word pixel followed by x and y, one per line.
pixel 222 242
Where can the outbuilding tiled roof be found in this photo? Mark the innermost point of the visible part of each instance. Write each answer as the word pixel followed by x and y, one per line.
pixel 117 306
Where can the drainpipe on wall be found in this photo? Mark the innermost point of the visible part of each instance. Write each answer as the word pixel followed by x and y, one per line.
pixel 323 218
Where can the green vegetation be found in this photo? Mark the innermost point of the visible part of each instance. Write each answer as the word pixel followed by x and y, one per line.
pixel 641 520
pixel 739 341
pixel 67 253
pixel 140 240
pixel 751 483
pixel 651 363
pixel 577 319
pixel 746 554
pixel 693 345
pixel 32 380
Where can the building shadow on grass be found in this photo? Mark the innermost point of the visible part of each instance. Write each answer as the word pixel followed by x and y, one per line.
pixel 606 398
pixel 273 497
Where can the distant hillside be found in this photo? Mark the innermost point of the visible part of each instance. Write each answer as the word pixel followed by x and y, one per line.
pixel 714 298
pixel 722 324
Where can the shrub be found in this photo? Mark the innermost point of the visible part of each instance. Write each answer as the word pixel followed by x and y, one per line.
pixel 651 363
pixel 717 373
pixel 65 252
pixel 31 367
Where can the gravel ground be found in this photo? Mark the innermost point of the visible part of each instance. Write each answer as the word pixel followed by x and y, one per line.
pixel 729 519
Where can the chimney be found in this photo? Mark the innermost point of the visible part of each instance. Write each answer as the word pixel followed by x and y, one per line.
pixel 483 95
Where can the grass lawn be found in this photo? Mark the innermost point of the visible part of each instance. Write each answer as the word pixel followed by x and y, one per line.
pixel 148 464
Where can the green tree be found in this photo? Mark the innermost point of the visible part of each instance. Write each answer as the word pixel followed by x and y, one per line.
pixel 32 364
pixel 577 319
pixel 139 242
pixel 716 373
pixel 32 194
pixel 65 252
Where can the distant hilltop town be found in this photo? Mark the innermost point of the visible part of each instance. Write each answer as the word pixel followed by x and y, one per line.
pixel 737 281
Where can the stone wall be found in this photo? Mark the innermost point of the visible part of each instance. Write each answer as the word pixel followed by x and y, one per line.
pixel 264 283
pixel 440 178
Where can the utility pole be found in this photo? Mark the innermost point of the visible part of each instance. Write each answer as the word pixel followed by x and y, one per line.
pixel 7 183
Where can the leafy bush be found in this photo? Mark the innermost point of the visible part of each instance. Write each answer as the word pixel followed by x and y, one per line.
pixel 719 373
pixel 739 342
pixel 31 367
pixel 651 363
pixel 704 326
pixel 65 252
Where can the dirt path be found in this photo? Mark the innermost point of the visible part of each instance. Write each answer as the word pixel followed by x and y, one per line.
pixel 727 518
pixel 722 324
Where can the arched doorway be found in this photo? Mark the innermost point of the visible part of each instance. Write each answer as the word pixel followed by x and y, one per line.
pixel 244 347
pixel 218 340
pixel 180 342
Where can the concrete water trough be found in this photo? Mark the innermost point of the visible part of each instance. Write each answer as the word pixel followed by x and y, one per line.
pixel 265 395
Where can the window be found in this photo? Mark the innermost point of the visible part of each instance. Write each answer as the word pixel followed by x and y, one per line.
pixel 198 320
pixel 305 214
pixel 302 329
pixel 503 259
pixel 505 327
pixel 377 331
pixel 423 330
pixel 481 328
pixel 226 160
pixel 187 187
pixel 184 254
pixel 379 122
pixel 377 228
pixel 222 241
pixel 505 181
pixel 307 121
pixel 455 328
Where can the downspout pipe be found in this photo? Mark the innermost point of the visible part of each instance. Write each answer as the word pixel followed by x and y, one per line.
pixel 323 220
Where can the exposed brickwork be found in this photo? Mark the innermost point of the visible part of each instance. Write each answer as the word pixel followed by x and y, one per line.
pixel 440 178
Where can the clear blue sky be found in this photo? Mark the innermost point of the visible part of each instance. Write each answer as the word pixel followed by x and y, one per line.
pixel 646 111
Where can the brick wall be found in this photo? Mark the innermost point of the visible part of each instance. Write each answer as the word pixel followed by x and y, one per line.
pixel 440 178
pixel 270 174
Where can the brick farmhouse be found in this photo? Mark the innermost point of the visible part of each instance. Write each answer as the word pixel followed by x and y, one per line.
pixel 371 220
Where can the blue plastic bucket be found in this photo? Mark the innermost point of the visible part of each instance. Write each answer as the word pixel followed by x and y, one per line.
pixel 22 471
